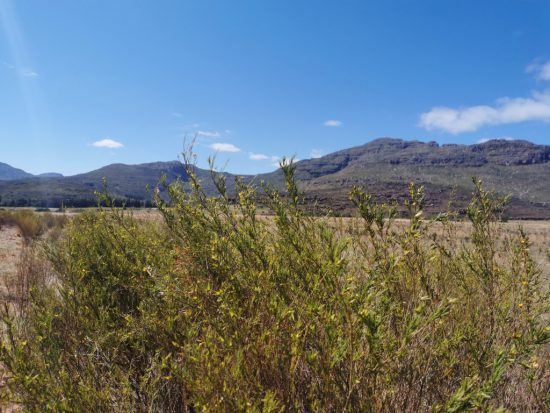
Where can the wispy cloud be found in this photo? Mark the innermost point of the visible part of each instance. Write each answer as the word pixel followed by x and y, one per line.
pixel 208 134
pixel 22 72
pixel 224 147
pixel 274 161
pixel 176 114
pixel 190 126
pixel 316 153
pixel 505 111
pixel 258 156
pixel 541 70
pixel 271 159
pixel 108 143
pixel 29 73
pixel 333 123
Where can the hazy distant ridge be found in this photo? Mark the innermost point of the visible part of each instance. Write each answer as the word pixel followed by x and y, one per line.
pixel 8 173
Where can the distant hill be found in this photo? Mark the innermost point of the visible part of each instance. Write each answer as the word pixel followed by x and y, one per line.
pixel 8 173
pixel 125 182
pixel 384 166
pixel 50 175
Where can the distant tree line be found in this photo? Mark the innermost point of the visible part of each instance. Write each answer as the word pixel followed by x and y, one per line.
pixel 73 203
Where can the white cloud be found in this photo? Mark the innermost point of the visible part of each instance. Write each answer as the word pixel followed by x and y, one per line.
pixel 316 153
pixel 108 143
pixel 29 73
pixel 274 161
pixel 258 156
pixel 176 114
pixel 541 70
pixel 22 72
pixel 333 123
pixel 224 147
pixel 208 134
pixel 505 111
pixel 191 126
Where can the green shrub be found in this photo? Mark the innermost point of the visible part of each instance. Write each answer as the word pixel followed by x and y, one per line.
pixel 220 309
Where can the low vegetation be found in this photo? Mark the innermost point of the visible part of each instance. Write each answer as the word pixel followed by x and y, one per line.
pixel 31 224
pixel 220 309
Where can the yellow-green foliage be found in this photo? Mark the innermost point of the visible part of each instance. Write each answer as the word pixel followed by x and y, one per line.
pixel 219 309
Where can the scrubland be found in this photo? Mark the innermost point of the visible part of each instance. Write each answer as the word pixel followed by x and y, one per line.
pixel 209 305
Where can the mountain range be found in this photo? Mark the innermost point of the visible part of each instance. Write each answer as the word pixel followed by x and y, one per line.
pixel 384 166
pixel 9 173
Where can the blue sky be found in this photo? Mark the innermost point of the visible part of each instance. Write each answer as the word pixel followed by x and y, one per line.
pixel 87 83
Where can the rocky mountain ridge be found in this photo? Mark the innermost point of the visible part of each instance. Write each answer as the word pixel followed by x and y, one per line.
pixel 384 166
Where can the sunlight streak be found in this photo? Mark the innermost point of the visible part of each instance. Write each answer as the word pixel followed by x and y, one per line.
pixel 21 66
pixel 20 61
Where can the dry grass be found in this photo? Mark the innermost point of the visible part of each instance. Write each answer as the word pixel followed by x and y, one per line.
pixel 11 241
pixel 11 245
pixel 19 228
pixel 31 224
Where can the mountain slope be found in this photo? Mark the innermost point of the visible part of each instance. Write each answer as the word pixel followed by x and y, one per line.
pixel 50 175
pixel 8 173
pixel 126 182
pixel 384 166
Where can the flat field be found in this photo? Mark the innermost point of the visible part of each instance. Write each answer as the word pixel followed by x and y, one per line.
pixel 11 243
